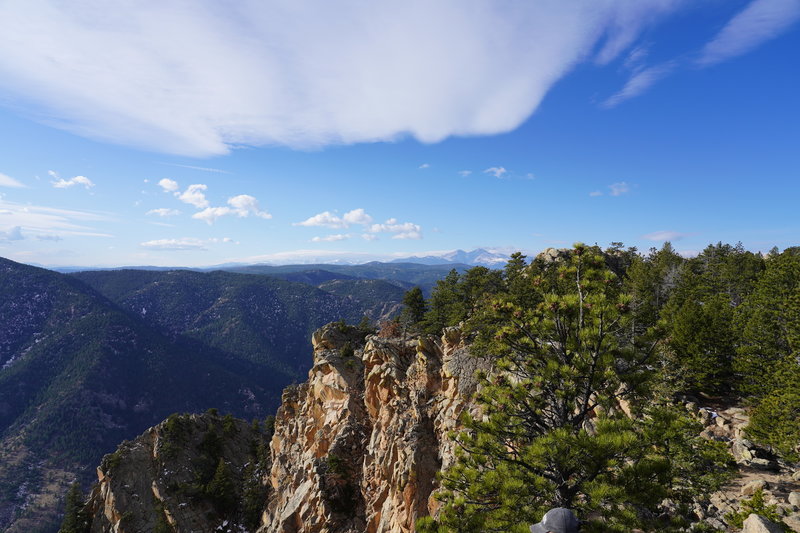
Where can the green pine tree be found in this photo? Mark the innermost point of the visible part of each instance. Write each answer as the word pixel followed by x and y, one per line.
pixel 414 307
pixel 76 519
pixel 222 489
pixel 552 432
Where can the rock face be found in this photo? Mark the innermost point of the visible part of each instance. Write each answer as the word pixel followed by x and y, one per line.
pixel 357 447
pixel 174 475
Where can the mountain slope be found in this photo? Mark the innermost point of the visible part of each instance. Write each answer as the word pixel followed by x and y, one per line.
pixel 79 375
pixel 402 274
pixel 259 319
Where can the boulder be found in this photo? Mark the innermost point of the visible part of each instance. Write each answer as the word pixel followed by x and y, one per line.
pixel 748 489
pixel 758 524
pixel 794 498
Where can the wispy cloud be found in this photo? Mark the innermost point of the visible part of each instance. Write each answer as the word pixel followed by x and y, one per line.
pixel 163 212
pixel 193 79
pixel 615 189
pixel 619 188
pixel 8 181
pixel 464 173
pixel 756 24
pixel 640 82
pixel 49 220
pixel 423 166
pixel 497 172
pixel 201 169
pixel 61 183
pixel 185 243
pixel 665 235
pixel 331 238
pixel 759 22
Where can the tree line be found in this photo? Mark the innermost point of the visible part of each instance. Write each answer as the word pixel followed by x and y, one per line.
pixel 591 349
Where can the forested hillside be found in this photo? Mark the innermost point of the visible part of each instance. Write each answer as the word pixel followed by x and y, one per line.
pixel 93 358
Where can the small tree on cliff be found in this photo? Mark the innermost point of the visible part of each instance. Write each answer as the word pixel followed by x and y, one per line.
pixel 552 432
pixel 75 518
pixel 414 307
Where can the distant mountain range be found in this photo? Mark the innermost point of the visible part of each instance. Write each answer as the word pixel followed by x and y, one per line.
pixel 456 258
pixel 478 257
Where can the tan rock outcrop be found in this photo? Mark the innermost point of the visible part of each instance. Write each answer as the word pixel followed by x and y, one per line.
pixel 357 447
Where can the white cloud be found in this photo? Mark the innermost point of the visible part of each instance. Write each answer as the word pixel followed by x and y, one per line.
pixel 357 216
pixel 242 206
pixel 331 238
pixel 464 173
pixel 619 188
pixel 596 193
pixel 408 235
pixel 13 234
pixel 245 205
pixel 49 237
pixel 163 212
pixel 424 166
pixel 61 183
pixel 324 219
pixel 174 244
pixel 497 172
pixel 327 219
pixel 211 214
pixel 194 195
pixel 640 82
pixel 193 78
pixel 168 185
pixel 665 236
pixel 8 181
pixel 405 230
pixel 760 21
pixel 369 236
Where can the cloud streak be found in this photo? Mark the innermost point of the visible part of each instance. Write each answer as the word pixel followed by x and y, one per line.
pixel 197 78
pixel 759 22
pixel 184 244
pixel 8 181
pixel 665 235
pixel 41 220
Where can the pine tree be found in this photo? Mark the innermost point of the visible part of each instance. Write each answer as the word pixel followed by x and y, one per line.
pixel 222 489
pixel 415 307
pixel 445 307
pixel 552 431
pixel 75 518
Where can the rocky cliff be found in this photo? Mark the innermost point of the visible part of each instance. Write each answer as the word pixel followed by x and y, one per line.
pixel 356 449
pixel 361 441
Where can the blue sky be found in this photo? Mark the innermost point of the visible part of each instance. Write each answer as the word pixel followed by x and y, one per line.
pixel 199 133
